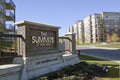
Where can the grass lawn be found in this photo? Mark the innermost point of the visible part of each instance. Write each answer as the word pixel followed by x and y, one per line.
pixel 98 44
pixel 80 70
pixel 114 68
pixel 110 46
pixel 85 44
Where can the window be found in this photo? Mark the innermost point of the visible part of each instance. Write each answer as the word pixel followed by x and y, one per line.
pixel 106 16
pixel 107 25
pixel 107 30
pixel 116 25
pixel 96 35
pixel 116 30
pixel 1 21
pixel 116 21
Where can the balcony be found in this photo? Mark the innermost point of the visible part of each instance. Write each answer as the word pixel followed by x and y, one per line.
pixel 10 27
pixel 2 23
pixel 10 5
pixel 10 16
pixel 2 10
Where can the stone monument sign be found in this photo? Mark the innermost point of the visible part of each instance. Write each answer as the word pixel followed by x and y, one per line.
pixel 38 38
pixel 40 52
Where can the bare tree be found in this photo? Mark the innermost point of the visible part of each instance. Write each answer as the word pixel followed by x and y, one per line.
pixel 114 37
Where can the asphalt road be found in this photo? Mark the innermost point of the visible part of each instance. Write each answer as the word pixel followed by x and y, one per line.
pixel 108 54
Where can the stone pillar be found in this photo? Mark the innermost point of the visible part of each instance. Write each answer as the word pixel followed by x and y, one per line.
pixel 71 44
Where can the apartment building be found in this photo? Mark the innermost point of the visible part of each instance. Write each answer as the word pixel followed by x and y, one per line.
pixel 98 34
pixel 88 29
pixel 69 29
pixel 111 23
pixel 2 15
pixel 7 16
pixel 96 27
pixel 78 29
pixel 75 29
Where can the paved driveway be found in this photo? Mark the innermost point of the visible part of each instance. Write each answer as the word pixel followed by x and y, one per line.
pixel 108 54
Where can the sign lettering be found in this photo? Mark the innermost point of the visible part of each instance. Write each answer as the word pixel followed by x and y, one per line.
pixel 42 39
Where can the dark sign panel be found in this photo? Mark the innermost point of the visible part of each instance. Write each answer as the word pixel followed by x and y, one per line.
pixel 39 38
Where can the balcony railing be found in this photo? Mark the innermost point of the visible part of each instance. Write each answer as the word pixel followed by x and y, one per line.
pixel 10 27
pixel 10 4
pixel 2 23
pixel 10 16
pixel 2 10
